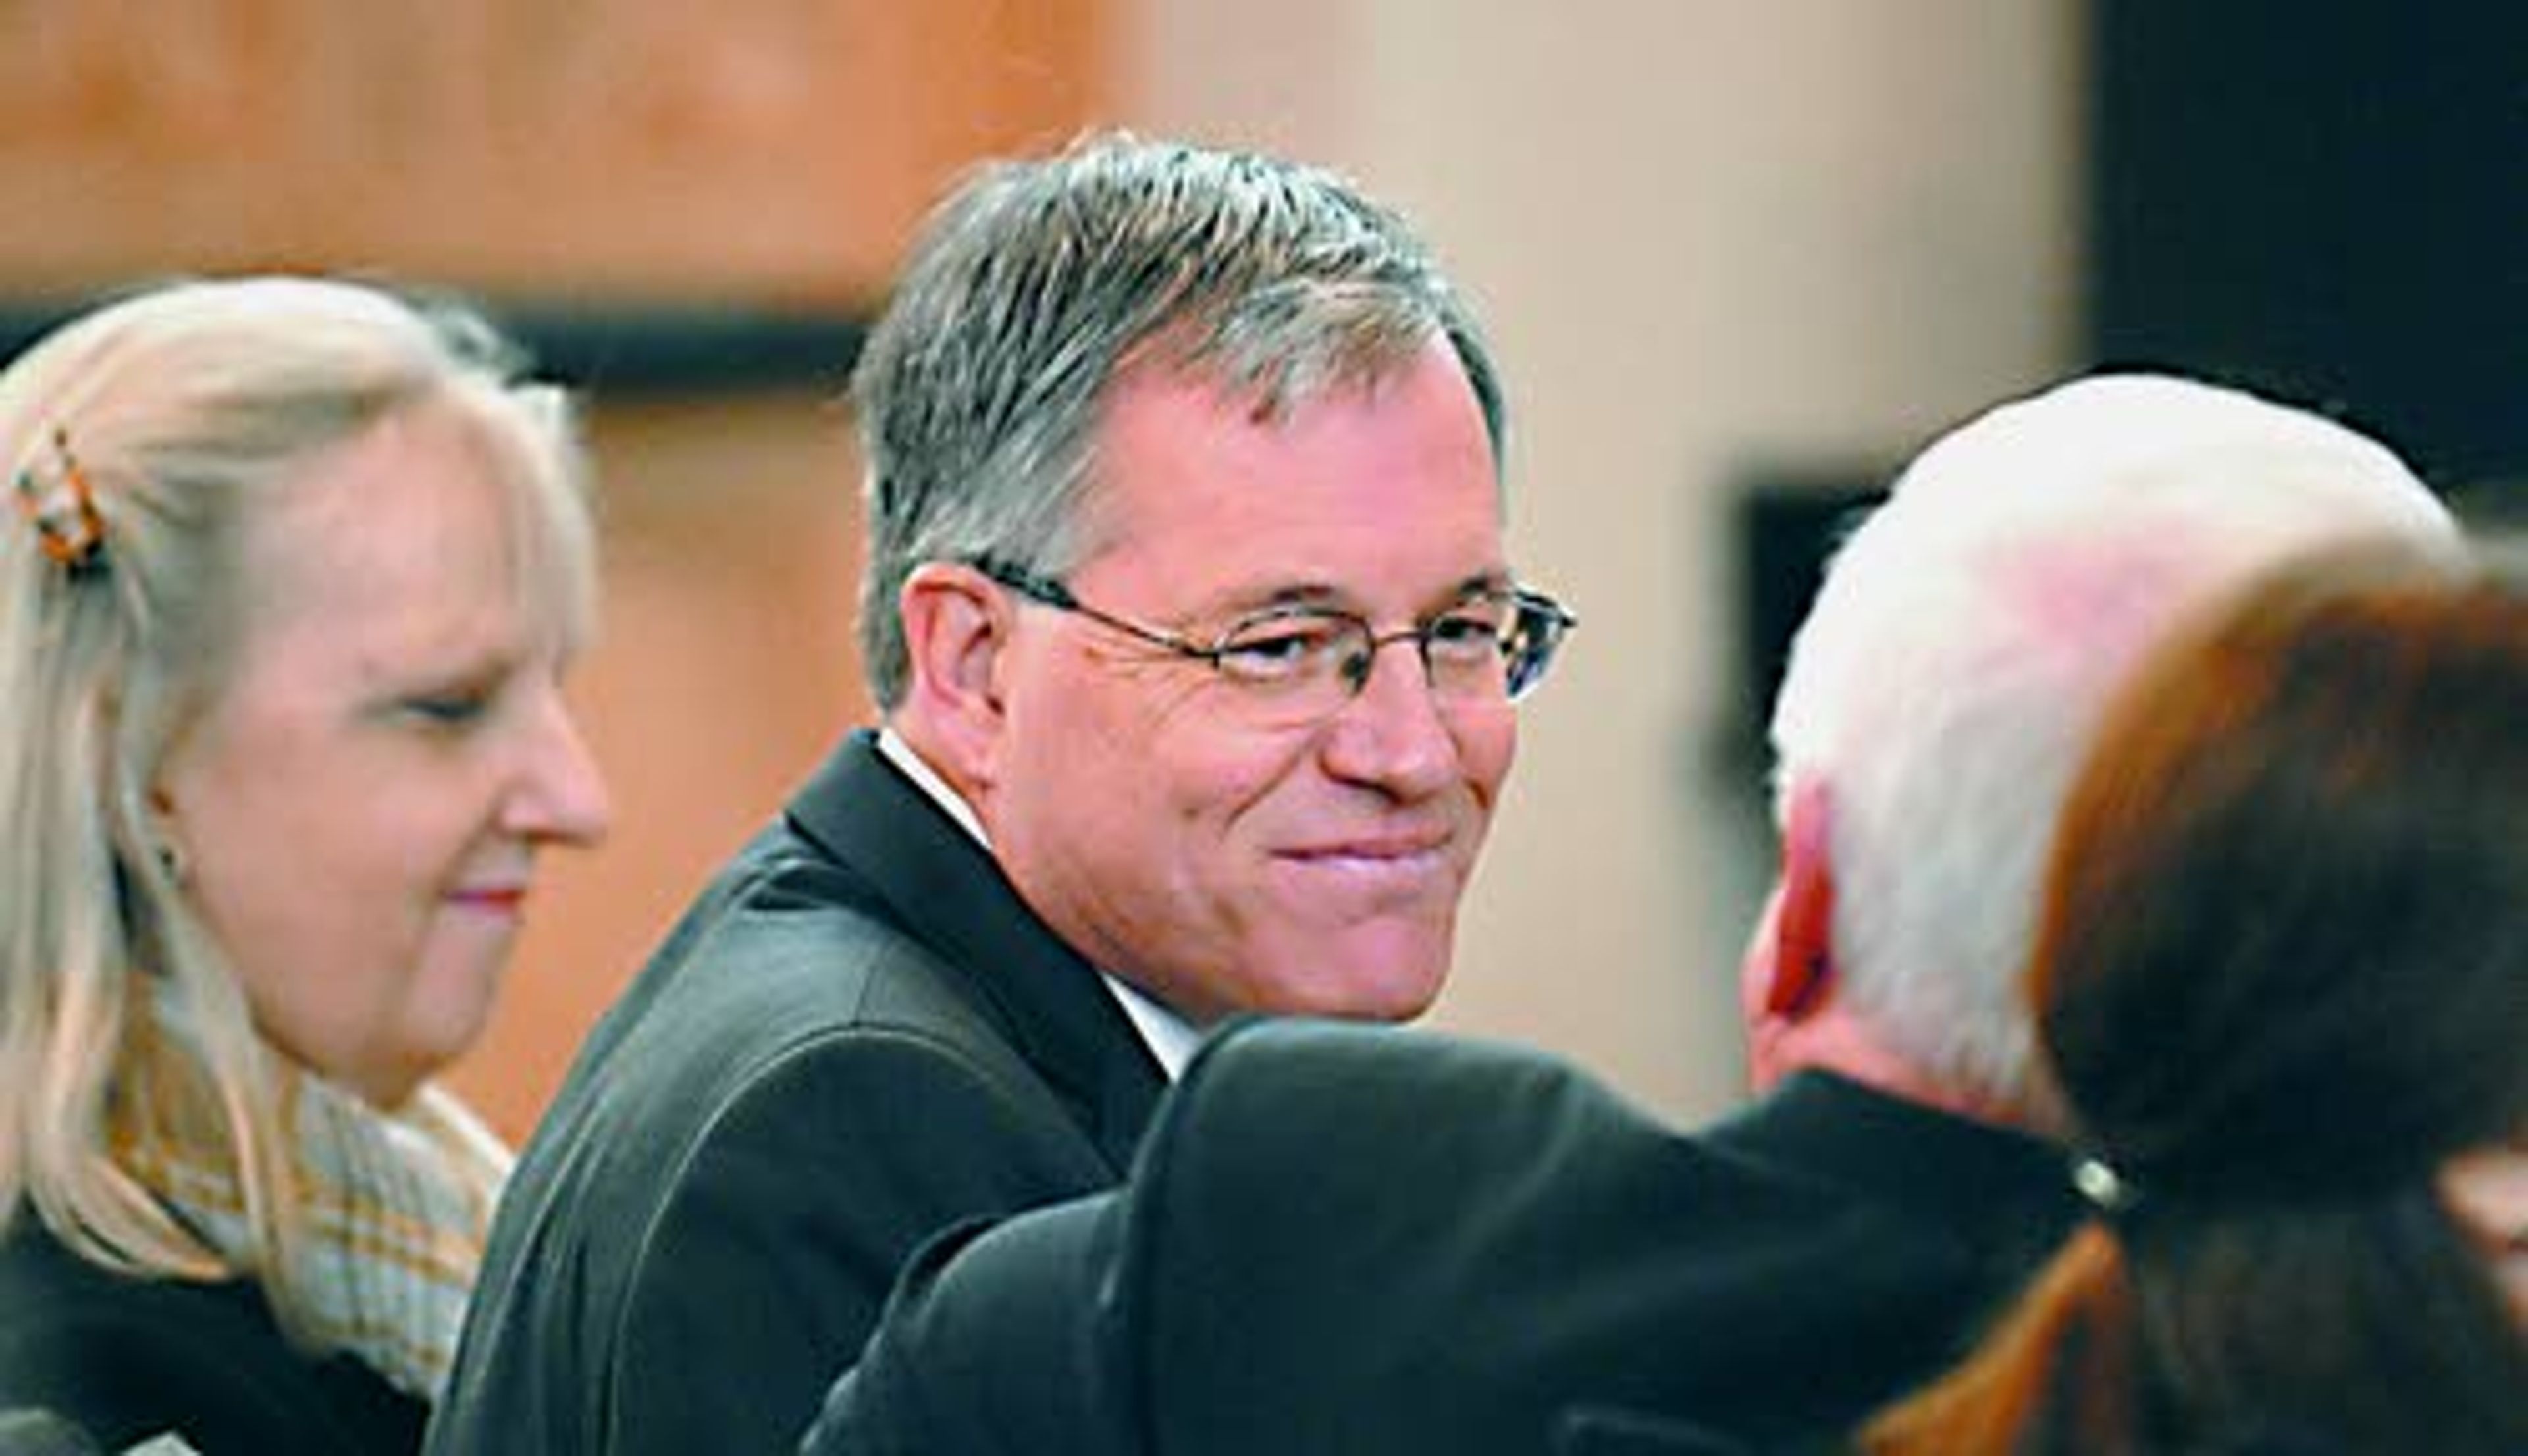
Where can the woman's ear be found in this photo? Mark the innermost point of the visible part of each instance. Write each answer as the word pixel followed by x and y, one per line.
pixel 1802 963
pixel 955 632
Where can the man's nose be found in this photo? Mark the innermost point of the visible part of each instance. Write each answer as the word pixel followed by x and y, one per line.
pixel 1393 732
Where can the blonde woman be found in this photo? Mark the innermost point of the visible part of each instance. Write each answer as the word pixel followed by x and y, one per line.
pixel 291 574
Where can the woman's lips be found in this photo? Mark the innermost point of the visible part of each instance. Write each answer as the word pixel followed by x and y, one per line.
pixel 498 899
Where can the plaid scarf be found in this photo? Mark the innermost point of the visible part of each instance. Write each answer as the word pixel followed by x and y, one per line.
pixel 395 1208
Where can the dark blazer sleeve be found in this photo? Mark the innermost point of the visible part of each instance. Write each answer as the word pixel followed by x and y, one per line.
pixel 999 1342
pixel 1031 1335
pixel 1600 1430
pixel 1035 1335
pixel 1344 1239
pixel 1286 1270
pixel 129 1371
pixel 767 1261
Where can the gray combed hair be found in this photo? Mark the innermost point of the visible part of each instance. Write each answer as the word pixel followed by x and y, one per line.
pixel 1039 282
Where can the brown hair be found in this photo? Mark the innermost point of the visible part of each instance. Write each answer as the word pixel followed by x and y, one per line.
pixel 2282 978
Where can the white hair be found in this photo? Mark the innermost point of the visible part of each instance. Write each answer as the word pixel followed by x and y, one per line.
pixel 1961 652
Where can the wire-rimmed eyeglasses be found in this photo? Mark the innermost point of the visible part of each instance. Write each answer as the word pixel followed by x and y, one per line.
pixel 1304 662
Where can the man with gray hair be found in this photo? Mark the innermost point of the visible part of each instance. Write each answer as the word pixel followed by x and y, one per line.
pixel 1191 626
pixel 1336 1245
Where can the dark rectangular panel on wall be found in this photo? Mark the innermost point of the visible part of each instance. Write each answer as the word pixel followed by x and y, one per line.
pixel 1785 526
pixel 611 355
pixel 2329 202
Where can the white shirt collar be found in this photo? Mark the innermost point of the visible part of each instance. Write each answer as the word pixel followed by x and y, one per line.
pixel 892 748
pixel 1170 1037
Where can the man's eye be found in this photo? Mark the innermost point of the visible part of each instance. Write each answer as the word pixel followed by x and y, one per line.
pixel 1466 631
pixel 1282 649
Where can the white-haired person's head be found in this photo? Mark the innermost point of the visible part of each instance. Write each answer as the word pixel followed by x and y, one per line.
pixel 1960 654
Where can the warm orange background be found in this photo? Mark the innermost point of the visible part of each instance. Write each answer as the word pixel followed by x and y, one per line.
pixel 772 155
pixel 767 149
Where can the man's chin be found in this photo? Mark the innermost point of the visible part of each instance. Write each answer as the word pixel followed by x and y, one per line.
pixel 1371 974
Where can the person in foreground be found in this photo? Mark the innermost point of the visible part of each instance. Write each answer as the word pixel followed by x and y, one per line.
pixel 1191 624
pixel 1333 1243
pixel 290 575
pixel 2282 982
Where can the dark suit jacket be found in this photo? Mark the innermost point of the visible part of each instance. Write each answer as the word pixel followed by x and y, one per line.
pixel 124 1359
pixel 858 1035
pixel 1343 1241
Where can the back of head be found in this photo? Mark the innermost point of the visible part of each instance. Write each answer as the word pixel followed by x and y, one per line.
pixel 1039 282
pixel 174 418
pixel 1968 634
pixel 2286 950
pixel 2283 980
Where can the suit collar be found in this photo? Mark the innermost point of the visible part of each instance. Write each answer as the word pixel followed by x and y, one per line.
pixel 945 889
pixel 1169 1036
pixel 1895 1149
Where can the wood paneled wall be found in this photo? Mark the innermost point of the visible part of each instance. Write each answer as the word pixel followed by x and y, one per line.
pixel 642 155
pixel 763 149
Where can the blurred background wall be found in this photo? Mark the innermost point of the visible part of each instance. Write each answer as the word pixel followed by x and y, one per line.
pixel 1740 259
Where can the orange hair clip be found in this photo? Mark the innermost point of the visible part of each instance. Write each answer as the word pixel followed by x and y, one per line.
pixel 71 530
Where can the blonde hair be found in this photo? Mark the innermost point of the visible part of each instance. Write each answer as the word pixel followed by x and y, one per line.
pixel 180 410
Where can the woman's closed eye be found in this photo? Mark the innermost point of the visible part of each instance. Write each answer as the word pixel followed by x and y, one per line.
pixel 453 707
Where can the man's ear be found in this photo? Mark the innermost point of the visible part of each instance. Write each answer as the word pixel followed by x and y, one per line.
pixel 956 629
pixel 1803 963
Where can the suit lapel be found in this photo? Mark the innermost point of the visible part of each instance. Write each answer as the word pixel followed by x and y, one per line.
pixel 946 892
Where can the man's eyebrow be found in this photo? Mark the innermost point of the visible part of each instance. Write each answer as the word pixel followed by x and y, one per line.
pixel 1320 596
